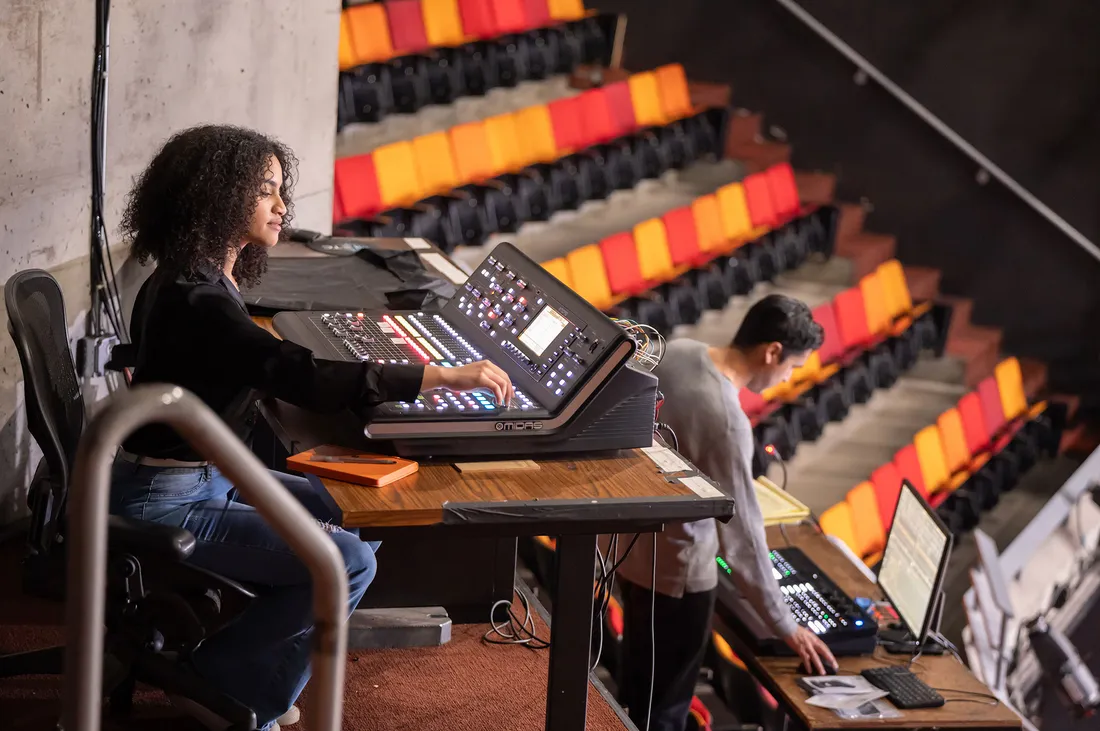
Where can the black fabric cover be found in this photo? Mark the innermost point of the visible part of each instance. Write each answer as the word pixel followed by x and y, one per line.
pixel 370 279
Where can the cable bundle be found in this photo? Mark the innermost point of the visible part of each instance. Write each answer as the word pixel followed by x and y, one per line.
pixel 651 344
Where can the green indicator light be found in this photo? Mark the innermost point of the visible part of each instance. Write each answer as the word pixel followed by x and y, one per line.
pixel 786 573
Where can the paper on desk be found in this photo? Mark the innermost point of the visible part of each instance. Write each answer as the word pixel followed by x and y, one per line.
pixel 701 487
pixel 837 685
pixel 844 701
pixel 666 460
pixel 418 243
pixel 442 265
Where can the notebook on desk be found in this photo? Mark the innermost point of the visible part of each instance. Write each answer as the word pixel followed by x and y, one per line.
pixel 373 470
pixel 776 505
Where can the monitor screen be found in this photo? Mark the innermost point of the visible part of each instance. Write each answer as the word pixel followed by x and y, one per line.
pixel 914 560
pixel 542 331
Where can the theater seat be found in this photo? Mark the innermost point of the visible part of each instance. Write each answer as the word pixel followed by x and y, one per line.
pixel 870 537
pixel 589 276
pixel 908 465
pixel 887 482
pixel 559 268
pixel 625 278
pixel 837 522
pixel 859 343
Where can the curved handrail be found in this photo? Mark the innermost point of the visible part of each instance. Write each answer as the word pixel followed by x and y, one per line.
pixel 940 126
pixel 121 415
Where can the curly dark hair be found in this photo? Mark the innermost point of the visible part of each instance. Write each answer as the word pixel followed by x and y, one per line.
pixel 197 197
pixel 780 319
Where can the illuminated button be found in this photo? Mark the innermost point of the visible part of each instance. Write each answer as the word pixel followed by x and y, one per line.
pixel 557 392
pixel 549 384
pixel 521 284
pixel 561 382
pixel 569 374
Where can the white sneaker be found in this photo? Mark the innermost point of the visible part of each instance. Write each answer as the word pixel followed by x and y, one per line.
pixel 291 717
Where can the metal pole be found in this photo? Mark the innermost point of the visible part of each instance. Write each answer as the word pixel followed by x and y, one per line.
pixel 122 414
pixel 940 126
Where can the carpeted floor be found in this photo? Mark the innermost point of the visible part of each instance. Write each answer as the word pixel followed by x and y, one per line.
pixel 465 685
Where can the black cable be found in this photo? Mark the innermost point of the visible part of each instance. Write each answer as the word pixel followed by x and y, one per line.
pixel 662 427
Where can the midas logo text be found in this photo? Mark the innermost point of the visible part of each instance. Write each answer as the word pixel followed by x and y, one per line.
pixel 518 425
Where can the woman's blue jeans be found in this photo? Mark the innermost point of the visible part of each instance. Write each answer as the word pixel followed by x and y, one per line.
pixel 262 659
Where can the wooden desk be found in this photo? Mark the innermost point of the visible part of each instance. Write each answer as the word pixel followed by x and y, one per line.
pixel 965 708
pixel 575 498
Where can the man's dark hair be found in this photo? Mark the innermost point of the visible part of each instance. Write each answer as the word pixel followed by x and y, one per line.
pixel 197 198
pixel 780 319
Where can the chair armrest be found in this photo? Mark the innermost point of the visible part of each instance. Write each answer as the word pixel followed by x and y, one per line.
pixel 142 536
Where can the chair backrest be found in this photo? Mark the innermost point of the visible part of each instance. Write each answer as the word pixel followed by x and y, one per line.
pixel 1010 383
pixel 346 53
pixel 673 87
pixel 442 22
pixel 897 289
pixel 653 258
pixel 956 451
pixel 851 317
pixel 52 395
pixel 992 410
pixel 646 98
pixel 537 139
pixel 504 146
pixel 435 165
pixel 566 9
pixel 908 464
pixel 758 194
pixel 477 18
pixel 866 519
pixel 406 26
pixel 977 433
pixel 836 521
pixel 595 112
pixel 621 257
pixel 736 223
pixel 589 275
pixel 568 123
pixel 832 347
pixel 622 107
pixel 356 185
pixel 560 269
pixel 537 13
pixel 398 182
pixel 370 33
pixel 875 303
pixel 784 189
pixel 708 224
pixel 930 455
pixel 887 482
pixel 510 16
pixel 472 156
pixel 683 238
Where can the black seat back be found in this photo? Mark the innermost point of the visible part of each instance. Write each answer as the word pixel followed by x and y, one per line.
pixel 55 405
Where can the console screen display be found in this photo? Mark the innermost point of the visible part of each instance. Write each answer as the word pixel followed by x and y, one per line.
pixel 543 330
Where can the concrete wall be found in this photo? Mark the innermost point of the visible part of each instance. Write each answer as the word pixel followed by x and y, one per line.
pixel 174 63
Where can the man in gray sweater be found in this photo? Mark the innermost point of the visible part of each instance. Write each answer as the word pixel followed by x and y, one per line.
pixel 700 386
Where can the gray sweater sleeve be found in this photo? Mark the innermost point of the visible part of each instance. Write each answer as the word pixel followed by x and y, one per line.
pixel 742 541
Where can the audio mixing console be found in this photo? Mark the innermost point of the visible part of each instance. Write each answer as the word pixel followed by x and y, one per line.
pixel 577 385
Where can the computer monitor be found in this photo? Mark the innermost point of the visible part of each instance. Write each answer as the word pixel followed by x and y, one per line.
pixel 914 562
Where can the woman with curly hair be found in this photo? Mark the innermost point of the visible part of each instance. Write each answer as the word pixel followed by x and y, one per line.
pixel 207 209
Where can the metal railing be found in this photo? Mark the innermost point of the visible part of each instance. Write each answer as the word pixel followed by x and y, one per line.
pixel 121 415
pixel 985 164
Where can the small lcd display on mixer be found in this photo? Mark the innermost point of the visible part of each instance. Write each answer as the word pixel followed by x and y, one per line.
pixel 542 331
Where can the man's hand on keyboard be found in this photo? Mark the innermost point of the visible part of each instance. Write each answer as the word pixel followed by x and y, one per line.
pixel 815 654
pixel 481 374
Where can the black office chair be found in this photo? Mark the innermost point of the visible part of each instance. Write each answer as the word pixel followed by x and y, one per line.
pixel 159 608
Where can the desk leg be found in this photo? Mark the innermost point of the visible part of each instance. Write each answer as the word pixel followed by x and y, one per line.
pixel 571 635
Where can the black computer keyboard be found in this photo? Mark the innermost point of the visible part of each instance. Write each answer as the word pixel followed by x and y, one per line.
pixel 906 690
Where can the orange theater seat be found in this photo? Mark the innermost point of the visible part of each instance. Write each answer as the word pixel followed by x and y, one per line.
pixel 651 241
pixel 708 226
pixel 837 522
pixel 875 304
pixel 646 97
pixel 589 275
pixel 1010 384
pixel 472 154
pixel 930 456
pixel 736 222
pixel 566 9
pixel 866 521
pixel 672 85
pixel 558 268
pixel 442 23
pixel 347 55
pixel 370 33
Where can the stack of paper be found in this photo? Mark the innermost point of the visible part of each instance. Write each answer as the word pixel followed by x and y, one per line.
pixel 849 696
pixel 778 506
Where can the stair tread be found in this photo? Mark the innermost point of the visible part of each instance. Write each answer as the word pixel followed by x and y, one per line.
pixel 923 282
pixel 815 187
pixel 758 156
pixel 851 220
pixel 1035 374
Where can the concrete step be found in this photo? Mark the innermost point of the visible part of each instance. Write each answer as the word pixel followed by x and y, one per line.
pixel 815 187
pixel 357 139
pixel 867 251
pixel 757 156
pixel 980 348
pixel 923 282
pixel 744 129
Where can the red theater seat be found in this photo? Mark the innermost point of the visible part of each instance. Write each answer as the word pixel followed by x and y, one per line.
pixel 758 195
pixel 406 26
pixel 624 274
pixel 784 191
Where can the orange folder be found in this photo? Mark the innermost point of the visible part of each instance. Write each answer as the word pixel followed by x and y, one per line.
pixel 329 461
